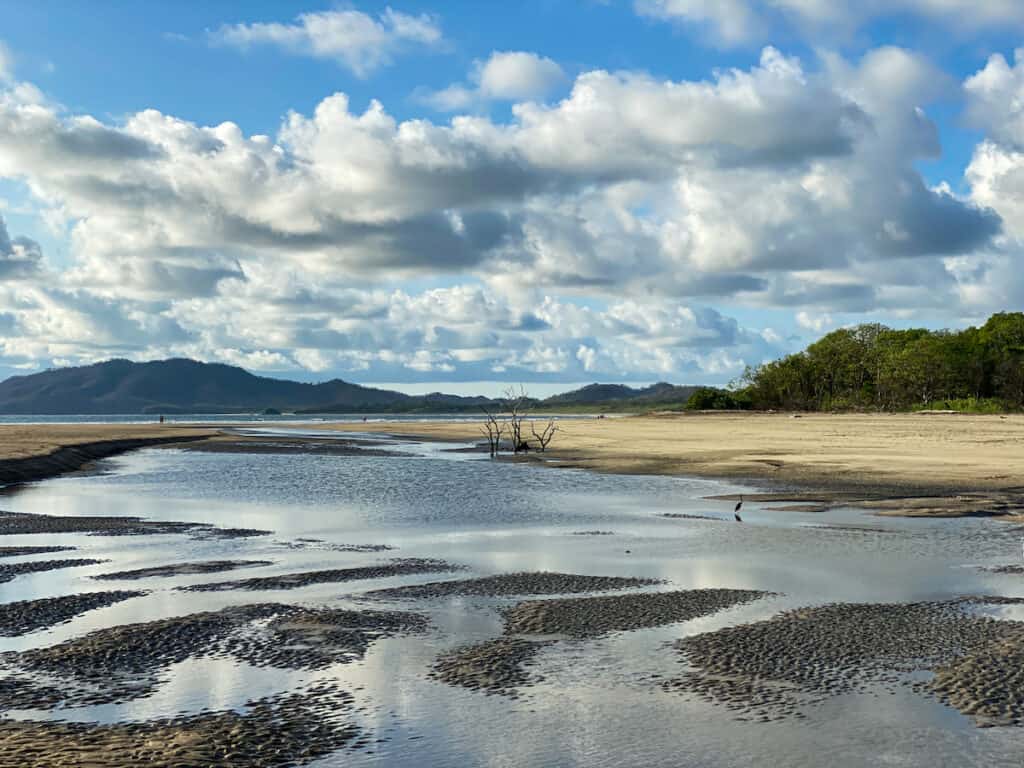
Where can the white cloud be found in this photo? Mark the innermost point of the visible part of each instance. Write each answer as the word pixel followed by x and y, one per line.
pixel 20 257
pixel 518 76
pixel 504 76
pixel 579 238
pixel 995 99
pixel 995 174
pixel 995 102
pixel 355 40
pixel 812 322
pixel 733 22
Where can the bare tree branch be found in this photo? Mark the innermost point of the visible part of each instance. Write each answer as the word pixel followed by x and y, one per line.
pixel 493 430
pixel 515 402
pixel 546 435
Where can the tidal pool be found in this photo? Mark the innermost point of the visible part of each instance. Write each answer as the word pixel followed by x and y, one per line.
pixel 591 702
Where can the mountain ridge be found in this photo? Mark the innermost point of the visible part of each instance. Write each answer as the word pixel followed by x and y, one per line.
pixel 181 385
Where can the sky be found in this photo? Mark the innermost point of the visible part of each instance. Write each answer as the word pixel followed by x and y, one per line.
pixel 472 194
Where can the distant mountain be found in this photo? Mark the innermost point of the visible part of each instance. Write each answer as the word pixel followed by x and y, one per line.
pixel 176 386
pixel 606 393
pixel 188 386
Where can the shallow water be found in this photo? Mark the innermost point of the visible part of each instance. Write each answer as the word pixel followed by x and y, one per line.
pixel 598 703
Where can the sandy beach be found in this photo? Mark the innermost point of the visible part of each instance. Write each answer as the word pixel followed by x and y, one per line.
pixel 19 441
pixel 31 452
pixel 952 451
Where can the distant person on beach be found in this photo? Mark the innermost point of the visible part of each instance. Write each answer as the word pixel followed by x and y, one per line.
pixel 161 418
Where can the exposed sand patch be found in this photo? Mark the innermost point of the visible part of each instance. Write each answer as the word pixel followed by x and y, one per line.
pixel 19 441
pixel 30 452
pixel 286 730
pixel 316 638
pixel 498 666
pixel 10 571
pixel 183 569
pixel 685 516
pixel 23 551
pixel 127 662
pixel 26 616
pixel 398 567
pixel 327 546
pixel 583 617
pixel 509 584
pixel 278 444
pixel 777 668
pixel 18 523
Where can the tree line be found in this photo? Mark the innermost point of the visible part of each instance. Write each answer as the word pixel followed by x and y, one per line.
pixel 873 367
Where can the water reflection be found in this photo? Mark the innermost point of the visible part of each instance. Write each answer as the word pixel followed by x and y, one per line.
pixel 597 704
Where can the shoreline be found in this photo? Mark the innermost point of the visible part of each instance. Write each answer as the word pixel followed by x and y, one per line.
pixel 30 454
pixel 921 465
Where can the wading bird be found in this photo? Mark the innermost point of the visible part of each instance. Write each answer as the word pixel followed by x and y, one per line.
pixel 736 510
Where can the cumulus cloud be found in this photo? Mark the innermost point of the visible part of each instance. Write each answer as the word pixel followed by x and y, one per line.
pixel 995 175
pixel 19 258
pixel 504 76
pixel 994 101
pixel 733 22
pixel 355 40
pixel 582 237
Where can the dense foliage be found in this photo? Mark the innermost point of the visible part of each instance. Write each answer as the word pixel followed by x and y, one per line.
pixel 875 367
pixel 713 399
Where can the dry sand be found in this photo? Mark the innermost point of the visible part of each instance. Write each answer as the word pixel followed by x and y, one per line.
pixel 30 452
pixel 19 441
pixel 952 451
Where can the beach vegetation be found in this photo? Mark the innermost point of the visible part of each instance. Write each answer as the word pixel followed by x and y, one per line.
pixel 873 367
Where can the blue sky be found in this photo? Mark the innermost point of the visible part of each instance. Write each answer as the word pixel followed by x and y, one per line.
pixel 552 192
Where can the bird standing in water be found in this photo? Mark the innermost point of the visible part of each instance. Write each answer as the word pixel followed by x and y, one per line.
pixel 736 510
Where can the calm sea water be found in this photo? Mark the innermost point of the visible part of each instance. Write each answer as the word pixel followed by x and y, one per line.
pixel 596 705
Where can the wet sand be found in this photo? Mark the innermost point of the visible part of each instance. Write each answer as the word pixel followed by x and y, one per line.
pixel 764 671
pixel 182 569
pixel 785 665
pixel 285 730
pixel 127 662
pixel 397 567
pixel 30 452
pixel 277 444
pixel 10 571
pixel 509 584
pixel 12 523
pixel 23 551
pixel 498 666
pixel 26 616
